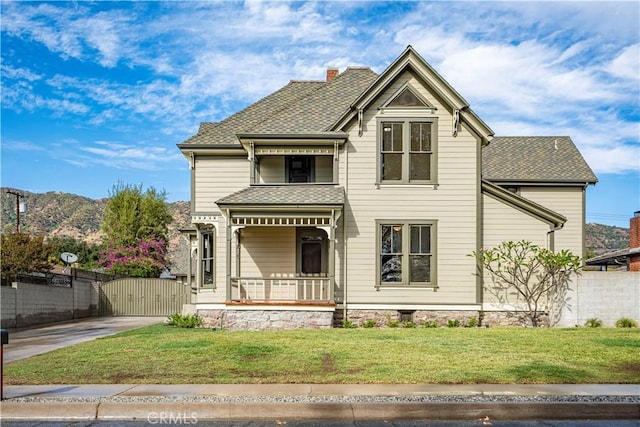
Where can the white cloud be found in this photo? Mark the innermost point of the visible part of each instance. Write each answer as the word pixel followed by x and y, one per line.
pixel 124 156
pixel 607 159
pixel 538 68
pixel 626 64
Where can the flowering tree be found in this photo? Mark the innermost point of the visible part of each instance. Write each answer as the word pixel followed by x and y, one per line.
pixel 146 258
pixel 537 277
pixel 135 224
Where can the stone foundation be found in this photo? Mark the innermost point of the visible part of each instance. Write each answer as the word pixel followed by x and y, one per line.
pixel 257 320
pixel 511 318
pixel 385 318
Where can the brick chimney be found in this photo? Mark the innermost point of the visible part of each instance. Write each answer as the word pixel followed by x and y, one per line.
pixel 634 242
pixel 332 73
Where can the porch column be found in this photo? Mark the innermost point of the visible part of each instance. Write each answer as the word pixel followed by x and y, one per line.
pixel 331 258
pixel 229 236
pixel 332 261
pixel 198 257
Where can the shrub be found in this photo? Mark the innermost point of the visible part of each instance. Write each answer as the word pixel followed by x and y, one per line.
pixel 408 324
pixel 593 322
pixel 453 323
pixel 393 323
pixel 430 324
pixel 185 320
pixel 370 323
pixel 472 323
pixel 348 324
pixel 626 322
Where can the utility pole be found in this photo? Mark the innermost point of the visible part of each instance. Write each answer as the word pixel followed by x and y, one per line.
pixel 18 197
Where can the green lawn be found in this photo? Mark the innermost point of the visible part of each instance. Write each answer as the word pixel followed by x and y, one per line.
pixel 164 355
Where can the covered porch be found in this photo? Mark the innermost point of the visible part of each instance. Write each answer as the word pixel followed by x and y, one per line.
pixel 281 244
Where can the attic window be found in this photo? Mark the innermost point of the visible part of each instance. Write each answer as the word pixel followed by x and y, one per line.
pixel 407 98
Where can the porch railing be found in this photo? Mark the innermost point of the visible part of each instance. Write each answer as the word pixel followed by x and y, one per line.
pixel 263 289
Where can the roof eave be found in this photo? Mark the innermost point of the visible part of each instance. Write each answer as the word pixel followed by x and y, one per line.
pixel 534 209
pixel 212 149
pixel 545 183
pixel 279 207
pixel 293 139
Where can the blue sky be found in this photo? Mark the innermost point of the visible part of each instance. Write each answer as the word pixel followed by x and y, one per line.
pixel 96 93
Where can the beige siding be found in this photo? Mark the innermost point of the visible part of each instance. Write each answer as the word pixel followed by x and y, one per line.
pixel 566 201
pixel 216 177
pixel 452 203
pixel 268 252
pixel 324 168
pixel 505 223
pixel 272 169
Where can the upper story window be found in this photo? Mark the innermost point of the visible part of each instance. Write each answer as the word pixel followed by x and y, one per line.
pixel 300 169
pixel 407 151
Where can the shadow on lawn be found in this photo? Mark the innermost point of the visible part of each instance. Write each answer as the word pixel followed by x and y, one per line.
pixel 547 373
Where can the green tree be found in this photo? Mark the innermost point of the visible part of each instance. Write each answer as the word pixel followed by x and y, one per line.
pixel 22 253
pixel 538 277
pixel 135 224
pixel 88 254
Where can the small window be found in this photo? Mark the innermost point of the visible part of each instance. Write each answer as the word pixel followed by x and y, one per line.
pixel 406 98
pixel 513 189
pixel 406 253
pixel 208 260
pixel 406 315
pixel 407 152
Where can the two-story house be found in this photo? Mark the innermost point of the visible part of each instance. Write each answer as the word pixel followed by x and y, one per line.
pixel 362 196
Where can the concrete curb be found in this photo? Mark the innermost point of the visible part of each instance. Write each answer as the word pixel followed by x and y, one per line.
pixel 190 411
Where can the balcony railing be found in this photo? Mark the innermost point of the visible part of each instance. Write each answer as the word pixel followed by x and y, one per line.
pixel 263 289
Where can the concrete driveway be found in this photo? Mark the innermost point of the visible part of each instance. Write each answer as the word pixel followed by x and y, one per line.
pixel 25 343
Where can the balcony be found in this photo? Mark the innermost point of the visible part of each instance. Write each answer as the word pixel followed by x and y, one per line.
pixel 281 289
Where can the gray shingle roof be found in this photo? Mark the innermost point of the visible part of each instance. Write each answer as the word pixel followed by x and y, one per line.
pixel 318 111
pixel 535 159
pixel 298 107
pixel 286 195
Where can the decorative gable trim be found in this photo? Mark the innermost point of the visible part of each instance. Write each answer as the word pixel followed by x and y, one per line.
pixel 411 60
pixel 407 98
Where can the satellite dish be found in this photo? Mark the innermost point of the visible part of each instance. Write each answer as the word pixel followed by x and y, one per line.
pixel 68 257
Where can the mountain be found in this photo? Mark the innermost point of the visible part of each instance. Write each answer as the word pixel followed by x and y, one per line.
pixel 58 214
pixel 64 214
pixel 601 238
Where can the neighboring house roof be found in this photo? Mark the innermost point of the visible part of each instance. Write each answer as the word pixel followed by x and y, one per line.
pixel 295 195
pixel 299 107
pixel 553 159
pixel 618 257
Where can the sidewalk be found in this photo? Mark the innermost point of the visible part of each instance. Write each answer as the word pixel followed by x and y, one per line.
pixel 319 402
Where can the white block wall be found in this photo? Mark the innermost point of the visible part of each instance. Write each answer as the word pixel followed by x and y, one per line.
pixel 26 304
pixel 608 296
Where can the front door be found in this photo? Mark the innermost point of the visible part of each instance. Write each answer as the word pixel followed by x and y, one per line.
pixel 311 252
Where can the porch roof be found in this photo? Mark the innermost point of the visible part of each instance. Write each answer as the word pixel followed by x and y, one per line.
pixel 289 195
